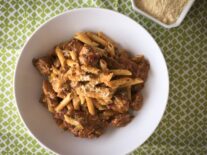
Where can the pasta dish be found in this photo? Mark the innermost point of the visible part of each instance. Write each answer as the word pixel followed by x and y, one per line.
pixel 91 84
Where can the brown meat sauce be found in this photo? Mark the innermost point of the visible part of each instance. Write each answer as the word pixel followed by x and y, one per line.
pixel 112 115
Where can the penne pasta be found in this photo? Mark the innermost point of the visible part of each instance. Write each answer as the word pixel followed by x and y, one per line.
pixel 105 77
pixel 124 82
pixel 137 58
pixel 120 72
pixel 111 49
pixel 55 70
pixel 71 63
pixel 103 36
pixel 63 103
pixel 73 55
pixel 60 56
pixel 76 102
pixel 73 122
pixel 103 65
pixel 82 99
pixel 96 38
pixel 49 105
pixel 133 82
pixel 70 107
pixel 104 102
pixel 85 39
pixel 90 69
pixel 90 106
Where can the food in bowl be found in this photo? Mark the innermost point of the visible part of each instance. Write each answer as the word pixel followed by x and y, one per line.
pixel 167 11
pixel 91 84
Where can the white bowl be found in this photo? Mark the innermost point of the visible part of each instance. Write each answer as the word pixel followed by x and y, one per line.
pixel 177 22
pixel 132 37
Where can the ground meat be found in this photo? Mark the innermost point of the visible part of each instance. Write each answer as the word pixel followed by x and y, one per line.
pixel 113 63
pixel 60 115
pixel 48 90
pixel 137 101
pixel 128 64
pixel 43 100
pixel 86 132
pixel 93 125
pixel 58 121
pixel 56 83
pixel 123 53
pixel 51 104
pixel 121 104
pixel 43 65
pixel 88 56
pixel 139 69
pixel 74 45
pixel 99 106
pixel 142 69
pixel 56 63
pixel 65 89
pixel 137 88
pixel 121 120
pixel 107 115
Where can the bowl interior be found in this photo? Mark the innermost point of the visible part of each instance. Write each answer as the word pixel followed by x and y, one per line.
pixel 130 36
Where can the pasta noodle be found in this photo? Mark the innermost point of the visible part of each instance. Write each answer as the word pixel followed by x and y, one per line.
pixel 90 69
pixel 60 56
pixel 120 72
pixel 63 103
pixel 90 106
pixel 97 38
pixel 84 38
pixel 103 65
pixel 73 122
pixel 124 82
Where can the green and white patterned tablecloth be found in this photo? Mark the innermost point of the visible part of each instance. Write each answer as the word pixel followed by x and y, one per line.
pixel 183 129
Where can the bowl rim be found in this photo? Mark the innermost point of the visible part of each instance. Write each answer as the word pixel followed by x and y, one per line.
pixel 77 10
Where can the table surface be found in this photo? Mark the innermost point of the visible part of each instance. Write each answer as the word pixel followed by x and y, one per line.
pixel 183 129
